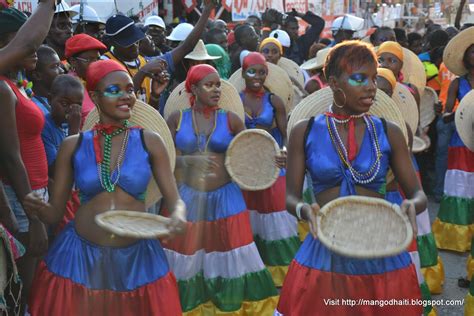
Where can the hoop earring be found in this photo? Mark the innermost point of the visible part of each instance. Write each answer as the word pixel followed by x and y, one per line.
pixel 345 99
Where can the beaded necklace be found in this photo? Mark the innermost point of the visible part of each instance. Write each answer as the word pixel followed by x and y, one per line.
pixel 25 84
pixel 106 175
pixel 201 137
pixel 358 177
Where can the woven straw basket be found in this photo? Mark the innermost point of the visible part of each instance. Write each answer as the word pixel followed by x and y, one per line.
pixel 413 70
pixel 427 107
pixel 292 69
pixel 464 120
pixel 133 224
pixel 150 119
pixel 363 227
pixel 407 105
pixel 250 160
pixel 229 100
pixel 419 145
pixel 454 52
pixel 277 82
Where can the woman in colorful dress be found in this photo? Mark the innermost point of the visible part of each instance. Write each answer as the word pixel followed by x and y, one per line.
pixel 453 227
pixel 317 273
pixel 88 270
pixel 217 264
pixel 430 262
pixel 274 229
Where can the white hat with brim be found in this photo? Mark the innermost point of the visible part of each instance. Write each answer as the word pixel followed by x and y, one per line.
pixel 318 61
pixel 63 7
pixel 347 22
pixel 200 53
pixel 156 21
pixel 454 52
pixel 88 14
pixel 282 37
pixel 180 32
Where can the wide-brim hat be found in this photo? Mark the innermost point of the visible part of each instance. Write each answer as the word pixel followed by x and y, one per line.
pixel 262 172
pixel 320 101
pixel 347 22
pixel 63 7
pixel 318 61
pixel 419 145
pixel 427 107
pixel 200 53
pixel 454 52
pixel 150 119
pixel 407 105
pixel 464 120
pixel 277 82
pixel 123 31
pixel 292 69
pixel 413 70
pixel 89 14
pixel 229 100
pixel 363 227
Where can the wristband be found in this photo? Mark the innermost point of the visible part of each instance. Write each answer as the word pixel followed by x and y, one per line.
pixel 299 206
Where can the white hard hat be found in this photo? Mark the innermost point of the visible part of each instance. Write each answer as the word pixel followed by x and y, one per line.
pixel 180 32
pixel 347 22
pixel 64 7
pixel 155 20
pixel 282 37
pixel 88 14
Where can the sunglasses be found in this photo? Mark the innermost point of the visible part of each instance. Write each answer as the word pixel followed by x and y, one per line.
pixel 114 91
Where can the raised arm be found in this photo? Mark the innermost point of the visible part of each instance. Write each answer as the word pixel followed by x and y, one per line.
pixel 30 36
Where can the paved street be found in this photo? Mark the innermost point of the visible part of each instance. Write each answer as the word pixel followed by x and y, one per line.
pixel 454 267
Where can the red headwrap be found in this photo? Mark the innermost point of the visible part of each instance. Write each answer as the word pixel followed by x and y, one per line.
pixel 81 43
pixel 254 58
pixel 196 74
pixel 99 69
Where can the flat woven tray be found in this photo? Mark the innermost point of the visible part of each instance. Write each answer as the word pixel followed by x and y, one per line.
pixel 363 227
pixel 250 160
pixel 133 224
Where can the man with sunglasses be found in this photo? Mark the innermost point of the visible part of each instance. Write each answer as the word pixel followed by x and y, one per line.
pixel 60 30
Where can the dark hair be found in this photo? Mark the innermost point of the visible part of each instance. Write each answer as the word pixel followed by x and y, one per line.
pixel 466 26
pixel 348 55
pixel 210 35
pixel 290 19
pixel 438 38
pixel 413 36
pixel 325 41
pixel 400 34
pixel 464 61
pixel 437 53
pixel 63 82
pixel 240 31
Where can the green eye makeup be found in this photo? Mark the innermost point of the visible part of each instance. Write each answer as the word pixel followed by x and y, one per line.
pixel 114 91
pixel 358 80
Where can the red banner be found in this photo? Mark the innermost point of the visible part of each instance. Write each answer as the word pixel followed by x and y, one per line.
pixel 189 5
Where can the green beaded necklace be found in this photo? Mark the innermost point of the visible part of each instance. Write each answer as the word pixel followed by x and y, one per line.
pixel 105 174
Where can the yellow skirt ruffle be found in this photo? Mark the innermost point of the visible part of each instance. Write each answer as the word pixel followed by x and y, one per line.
pixel 264 307
pixel 469 305
pixel 278 274
pixel 452 237
pixel 434 277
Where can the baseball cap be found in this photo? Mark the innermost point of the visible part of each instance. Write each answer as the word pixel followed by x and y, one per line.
pixel 122 31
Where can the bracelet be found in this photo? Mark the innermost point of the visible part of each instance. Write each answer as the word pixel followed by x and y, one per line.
pixel 299 206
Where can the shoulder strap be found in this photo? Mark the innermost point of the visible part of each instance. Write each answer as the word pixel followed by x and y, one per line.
pixel 307 131
pixel 384 125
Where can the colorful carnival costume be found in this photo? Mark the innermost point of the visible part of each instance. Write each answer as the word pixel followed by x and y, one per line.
pixel 275 230
pixel 217 264
pixel 78 277
pixel 469 301
pixel 454 226
pixel 318 274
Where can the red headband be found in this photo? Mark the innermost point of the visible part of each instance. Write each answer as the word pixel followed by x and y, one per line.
pixel 196 74
pixel 253 58
pixel 99 69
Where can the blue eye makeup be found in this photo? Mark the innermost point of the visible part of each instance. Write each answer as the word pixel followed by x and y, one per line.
pixel 251 72
pixel 358 80
pixel 114 91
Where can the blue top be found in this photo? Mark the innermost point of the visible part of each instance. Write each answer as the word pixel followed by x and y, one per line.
pixel 266 116
pixel 168 57
pixel 42 103
pixel 188 142
pixel 464 87
pixel 135 171
pixel 52 136
pixel 328 171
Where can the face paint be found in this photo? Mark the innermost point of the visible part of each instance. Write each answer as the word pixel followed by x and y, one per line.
pixel 358 80
pixel 251 72
pixel 114 91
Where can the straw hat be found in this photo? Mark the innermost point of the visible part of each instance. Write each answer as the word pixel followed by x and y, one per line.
pixel 150 119
pixel 419 145
pixel 200 53
pixel 454 52
pixel 319 102
pixel 363 227
pixel 292 69
pixel 262 172
pixel 131 224
pixel 407 105
pixel 464 120
pixel 229 101
pixel 277 82
pixel 318 61
pixel 427 107
pixel 413 70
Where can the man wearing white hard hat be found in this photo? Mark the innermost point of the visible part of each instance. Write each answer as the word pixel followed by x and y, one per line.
pixel 179 34
pixel 87 21
pixel 156 29
pixel 344 27
pixel 61 29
